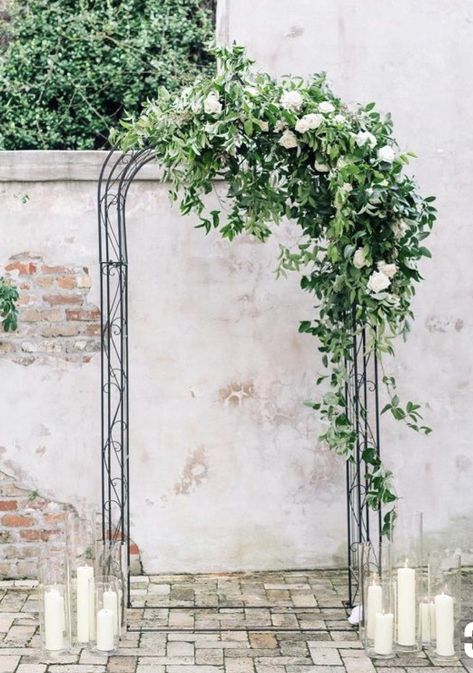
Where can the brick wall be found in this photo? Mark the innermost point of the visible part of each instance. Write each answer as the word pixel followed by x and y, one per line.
pixel 26 519
pixel 56 321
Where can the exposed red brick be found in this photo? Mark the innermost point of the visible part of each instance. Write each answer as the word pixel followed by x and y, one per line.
pixel 17 521
pixel 23 268
pixel 34 535
pixel 67 282
pixel 93 330
pixel 31 315
pixel 25 299
pixel 58 270
pixel 45 281
pixel 83 314
pixel 6 505
pixel 134 550
pixel 55 299
pixel 57 517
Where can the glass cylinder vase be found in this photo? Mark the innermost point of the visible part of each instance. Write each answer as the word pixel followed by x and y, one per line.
pixel 109 563
pixel 81 564
pixel 54 613
pixel 445 607
pixel 106 592
pixel 408 576
pixel 378 608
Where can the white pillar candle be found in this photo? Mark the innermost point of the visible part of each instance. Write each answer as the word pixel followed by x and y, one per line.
pixel 84 574
pixel 374 605
pixel 54 620
pixel 406 606
pixel 384 633
pixel 110 602
pixel 426 624
pixel 105 624
pixel 120 610
pixel 444 625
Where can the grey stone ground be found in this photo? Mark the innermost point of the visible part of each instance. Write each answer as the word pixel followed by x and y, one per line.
pixel 310 633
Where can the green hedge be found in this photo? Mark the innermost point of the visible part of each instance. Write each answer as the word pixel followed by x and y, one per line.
pixel 71 67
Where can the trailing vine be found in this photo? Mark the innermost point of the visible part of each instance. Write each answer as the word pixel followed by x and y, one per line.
pixel 292 149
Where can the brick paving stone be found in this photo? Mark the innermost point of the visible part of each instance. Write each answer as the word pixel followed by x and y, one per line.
pixel 263 640
pixel 180 648
pixel 76 668
pixel 315 669
pixel 291 600
pixel 31 668
pixel 325 656
pixel 121 664
pixel 8 663
pixel 359 664
pixel 209 657
pixel 239 665
pixel 194 669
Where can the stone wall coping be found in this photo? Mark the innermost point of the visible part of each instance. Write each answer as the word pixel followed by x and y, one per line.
pixel 60 166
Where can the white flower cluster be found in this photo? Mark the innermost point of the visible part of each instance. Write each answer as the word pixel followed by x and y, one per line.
pixel 308 122
pixel 292 100
pixel 379 280
pixel 212 105
pixel 288 140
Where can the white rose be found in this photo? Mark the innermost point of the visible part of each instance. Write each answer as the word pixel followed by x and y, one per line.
pixel 364 137
pixel 325 106
pixel 288 140
pixel 346 187
pixel 399 229
pixel 212 105
pixel 339 119
pixel 322 168
pixel 307 122
pixel 264 126
pixel 378 282
pixel 359 258
pixel 279 126
pixel 386 154
pixel 292 100
pixel 389 270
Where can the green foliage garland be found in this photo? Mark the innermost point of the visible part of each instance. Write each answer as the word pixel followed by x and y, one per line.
pixel 293 149
pixel 70 67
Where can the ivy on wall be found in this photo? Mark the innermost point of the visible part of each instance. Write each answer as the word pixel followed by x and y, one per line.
pixel 69 68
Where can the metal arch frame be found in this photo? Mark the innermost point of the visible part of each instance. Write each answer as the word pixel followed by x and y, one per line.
pixel 363 411
pixel 362 405
pixel 116 176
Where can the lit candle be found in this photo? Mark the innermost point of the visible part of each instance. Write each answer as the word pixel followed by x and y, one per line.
pixel 84 574
pixel 105 628
pixel 383 633
pixel 375 605
pixel 406 606
pixel 54 620
pixel 444 625
pixel 110 602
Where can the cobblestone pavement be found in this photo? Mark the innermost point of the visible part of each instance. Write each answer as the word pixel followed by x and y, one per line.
pixel 298 626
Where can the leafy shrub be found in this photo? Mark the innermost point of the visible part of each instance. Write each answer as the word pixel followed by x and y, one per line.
pixel 8 310
pixel 70 67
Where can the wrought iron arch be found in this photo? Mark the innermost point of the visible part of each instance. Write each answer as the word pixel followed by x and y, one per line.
pixel 117 175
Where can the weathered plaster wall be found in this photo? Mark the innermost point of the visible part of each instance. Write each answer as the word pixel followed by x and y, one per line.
pixel 413 58
pixel 226 472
